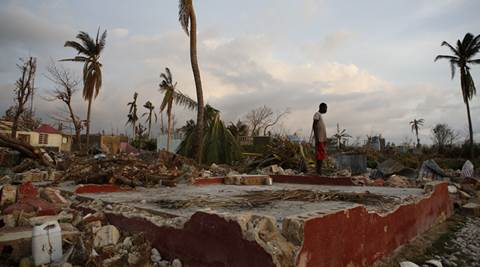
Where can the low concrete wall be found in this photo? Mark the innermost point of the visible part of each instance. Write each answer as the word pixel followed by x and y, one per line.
pixel 356 237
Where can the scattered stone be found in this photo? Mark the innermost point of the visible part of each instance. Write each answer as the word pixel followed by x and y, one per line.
pixel 452 189
pixel 127 242
pixel 397 181
pixel 133 258
pixel 176 263
pixel 408 264
pixel 8 195
pixel 434 263
pixel 107 235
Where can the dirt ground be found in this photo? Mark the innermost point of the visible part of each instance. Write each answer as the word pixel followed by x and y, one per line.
pixel 455 242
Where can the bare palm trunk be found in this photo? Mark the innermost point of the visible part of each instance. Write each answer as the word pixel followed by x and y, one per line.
pixel 169 126
pixel 149 123
pixel 198 145
pixel 464 85
pixel 88 122
pixel 470 129
pixel 418 139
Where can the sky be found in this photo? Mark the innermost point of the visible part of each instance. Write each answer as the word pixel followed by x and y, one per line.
pixel 371 61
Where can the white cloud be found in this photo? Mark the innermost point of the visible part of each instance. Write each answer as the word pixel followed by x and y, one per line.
pixel 120 32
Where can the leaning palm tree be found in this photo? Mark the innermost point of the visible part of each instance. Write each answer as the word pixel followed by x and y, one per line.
pixel 188 18
pixel 132 114
pixel 88 52
pixel 462 56
pixel 416 123
pixel 171 94
pixel 149 106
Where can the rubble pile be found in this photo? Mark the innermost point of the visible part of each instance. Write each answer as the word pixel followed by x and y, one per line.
pixel 87 237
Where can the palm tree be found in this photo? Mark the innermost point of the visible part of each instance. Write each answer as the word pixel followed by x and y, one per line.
pixel 462 56
pixel 88 52
pixel 171 94
pixel 149 106
pixel 132 114
pixel 415 125
pixel 341 135
pixel 220 146
pixel 187 17
pixel 238 129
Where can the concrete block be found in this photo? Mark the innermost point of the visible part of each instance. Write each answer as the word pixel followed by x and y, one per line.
pixel 107 235
pixel 54 196
pixel 8 195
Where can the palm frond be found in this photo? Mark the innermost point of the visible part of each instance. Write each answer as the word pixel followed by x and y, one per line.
pixel 455 51
pixel 474 61
pixel 88 42
pixel 184 100
pixel 184 10
pixel 101 43
pixel 80 48
pixel 445 57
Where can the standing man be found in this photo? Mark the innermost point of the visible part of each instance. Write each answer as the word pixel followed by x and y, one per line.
pixel 320 136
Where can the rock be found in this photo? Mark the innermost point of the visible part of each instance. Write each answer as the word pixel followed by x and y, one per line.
pixel 176 263
pixel 8 195
pixel 54 196
pixel 163 264
pixel 107 235
pixel 133 258
pixel 452 189
pixel 344 173
pixel 127 242
pixel 390 167
pixel 434 263
pixel 397 181
pixel 408 264
pixel 468 169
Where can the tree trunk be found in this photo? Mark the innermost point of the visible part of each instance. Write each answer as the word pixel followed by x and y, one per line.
pixel 88 123
pixel 470 129
pixel 76 126
pixel 15 124
pixel 169 126
pixel 25 149
pixel 418 139
pixel 149 123
pixel 465 99
pixel 198 145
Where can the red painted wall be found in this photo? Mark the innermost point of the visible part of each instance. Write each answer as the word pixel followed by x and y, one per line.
pixel 355 237
pixel 206 240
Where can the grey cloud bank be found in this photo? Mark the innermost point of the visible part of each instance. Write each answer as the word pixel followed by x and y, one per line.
pixel 375 80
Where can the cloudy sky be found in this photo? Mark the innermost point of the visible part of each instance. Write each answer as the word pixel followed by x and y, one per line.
pixel 371 61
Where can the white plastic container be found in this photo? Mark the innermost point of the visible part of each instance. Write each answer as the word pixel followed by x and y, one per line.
pixel 47 243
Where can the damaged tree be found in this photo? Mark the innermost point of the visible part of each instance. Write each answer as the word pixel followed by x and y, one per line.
pixel 23 90
pixel 66 86
pixel 26 149
pixel 263 118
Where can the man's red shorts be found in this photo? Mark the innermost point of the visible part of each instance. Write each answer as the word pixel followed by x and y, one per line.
pixel 321 152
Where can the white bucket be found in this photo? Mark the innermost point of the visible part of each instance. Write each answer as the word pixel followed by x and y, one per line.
pixel 47 243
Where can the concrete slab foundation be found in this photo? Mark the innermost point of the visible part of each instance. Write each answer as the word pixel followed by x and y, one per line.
pixel 212 227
